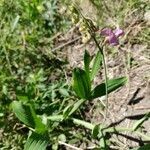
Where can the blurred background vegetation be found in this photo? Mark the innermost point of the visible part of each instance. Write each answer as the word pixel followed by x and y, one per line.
pixel 26 61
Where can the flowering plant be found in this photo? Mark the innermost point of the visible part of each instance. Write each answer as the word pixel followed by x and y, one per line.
pixel 112 36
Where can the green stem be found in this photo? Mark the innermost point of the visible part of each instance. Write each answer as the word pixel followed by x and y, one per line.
pixel 83 123
pixel 75 121
pixel 91 126
pixel 105 70
pixel 119 129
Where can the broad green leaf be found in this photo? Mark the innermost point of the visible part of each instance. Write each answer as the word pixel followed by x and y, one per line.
pixel 36 142
pixel 87 60
pixel 145 147
pixel 138 123
pixel 24 113
pixel 95 131
pixel 81 83
pixel 27 115
pixel 113 84
pixel 96 65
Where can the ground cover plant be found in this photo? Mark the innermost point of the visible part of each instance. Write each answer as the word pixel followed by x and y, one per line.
pixel 52 99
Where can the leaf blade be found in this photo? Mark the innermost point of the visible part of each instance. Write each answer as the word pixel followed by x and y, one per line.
pixel 81 83
pixel 138 123
pixel 23 113
pixel 96 65
pixel 113 84
pixel 26 114
pixel 36 142
pixel 87 59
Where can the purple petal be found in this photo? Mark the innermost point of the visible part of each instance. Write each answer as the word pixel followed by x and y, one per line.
pixel 113 40
pixel 106 31
pixel 118 32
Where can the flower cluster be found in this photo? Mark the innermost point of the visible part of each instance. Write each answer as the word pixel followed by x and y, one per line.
pixel 112 36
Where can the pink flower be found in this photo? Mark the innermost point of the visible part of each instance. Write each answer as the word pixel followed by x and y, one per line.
pixel 112 36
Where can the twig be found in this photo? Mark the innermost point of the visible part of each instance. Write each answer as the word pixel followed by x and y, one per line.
pixel 68 145
pixel 65 44
pixel 55 36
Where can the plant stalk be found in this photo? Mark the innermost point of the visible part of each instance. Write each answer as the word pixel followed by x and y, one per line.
pixel 92 33
pixel 91 126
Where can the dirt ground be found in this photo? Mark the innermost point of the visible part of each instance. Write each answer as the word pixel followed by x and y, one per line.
pixel 131 101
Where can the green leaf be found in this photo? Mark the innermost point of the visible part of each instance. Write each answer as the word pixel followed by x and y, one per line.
pixel 36 142
pixel 23 98
pixel 69 110
pixel 145 147
pixel 81 83
pixel 95 131
pixel 27 115
pixel 138 123
pixel 24 113
pixel 113 84
pixel 87 59
pixel 40 126
pixel 96 65
pixel 64 92
pixel 76 106
pixel 55 118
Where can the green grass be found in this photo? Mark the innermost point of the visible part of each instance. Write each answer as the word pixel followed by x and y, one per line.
pixel 26 62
